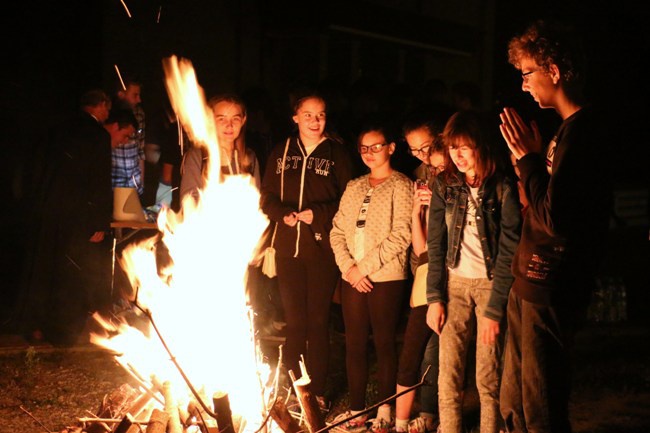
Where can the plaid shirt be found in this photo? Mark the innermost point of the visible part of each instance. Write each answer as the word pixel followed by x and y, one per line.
pixel 126 158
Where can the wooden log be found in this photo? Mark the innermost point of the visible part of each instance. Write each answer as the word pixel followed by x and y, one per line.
pixel 114 405
pixel 174 423
pixel 124 425
pixel 140 403
pixel 221 404
pixel 283 418
pixel 307 399
pixel 88 419
pixel 157 422
pixel 196 415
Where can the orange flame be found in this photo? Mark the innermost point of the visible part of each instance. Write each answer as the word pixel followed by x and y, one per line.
pixel 200 306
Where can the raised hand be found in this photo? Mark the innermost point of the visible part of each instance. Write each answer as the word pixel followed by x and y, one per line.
pixel 520 137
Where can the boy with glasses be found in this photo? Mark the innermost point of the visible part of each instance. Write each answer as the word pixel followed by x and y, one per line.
pixel 563 230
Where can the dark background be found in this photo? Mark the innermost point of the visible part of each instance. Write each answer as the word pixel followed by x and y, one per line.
pixel 53 51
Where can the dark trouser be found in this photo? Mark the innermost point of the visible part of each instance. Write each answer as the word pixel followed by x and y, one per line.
pixel 536 380
pixel 83 286
pixel 429 393
pixel 306 288
pixel 69 278
pixel 264 296
pixel 379 309
pixel 419 350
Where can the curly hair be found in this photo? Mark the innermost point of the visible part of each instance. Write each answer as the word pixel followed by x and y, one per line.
pixel 549 43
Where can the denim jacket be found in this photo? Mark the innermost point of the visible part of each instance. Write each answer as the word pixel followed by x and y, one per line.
pixel 498 220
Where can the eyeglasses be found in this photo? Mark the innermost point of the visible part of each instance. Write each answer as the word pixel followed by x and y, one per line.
pixel 374 148
pixel 525 75
pixel 424 150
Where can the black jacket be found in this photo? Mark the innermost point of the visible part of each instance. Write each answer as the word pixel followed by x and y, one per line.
pixel 565 226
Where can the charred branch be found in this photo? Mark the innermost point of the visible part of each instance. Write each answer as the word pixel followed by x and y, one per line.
pixel 224 414
pixel 283 418
pixel 307 399
pixel 157 422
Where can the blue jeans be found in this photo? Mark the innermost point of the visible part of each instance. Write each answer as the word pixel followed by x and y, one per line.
pixel 468 298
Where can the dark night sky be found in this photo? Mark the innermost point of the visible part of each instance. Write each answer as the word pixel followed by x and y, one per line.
pixel 54 50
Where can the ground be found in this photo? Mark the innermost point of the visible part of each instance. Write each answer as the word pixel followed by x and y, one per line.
pixel 59 385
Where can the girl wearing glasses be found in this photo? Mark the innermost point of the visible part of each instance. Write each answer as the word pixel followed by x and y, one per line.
pixel 420 347
pixel 474 229
pixel 370 235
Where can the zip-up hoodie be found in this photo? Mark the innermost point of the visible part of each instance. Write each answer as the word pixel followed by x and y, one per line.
pixel 315 181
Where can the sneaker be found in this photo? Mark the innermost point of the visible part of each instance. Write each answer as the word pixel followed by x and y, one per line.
pixel 380 425
pixel 421 425
pixel 354 425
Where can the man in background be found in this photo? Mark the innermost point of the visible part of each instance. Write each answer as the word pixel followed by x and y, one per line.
pixel 69 268
pixel 128 159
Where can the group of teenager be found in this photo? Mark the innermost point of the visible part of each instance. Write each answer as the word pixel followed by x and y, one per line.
pixel 484 268
pixel 511 273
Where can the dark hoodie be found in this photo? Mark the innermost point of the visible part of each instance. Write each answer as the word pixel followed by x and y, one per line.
pixel 314 182
pixel 565 226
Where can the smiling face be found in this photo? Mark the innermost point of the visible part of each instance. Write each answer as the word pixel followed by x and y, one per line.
pixel 230 119
pixel 310 118
pixel 464 157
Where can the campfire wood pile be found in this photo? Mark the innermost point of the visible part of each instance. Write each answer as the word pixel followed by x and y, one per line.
pixel 153 410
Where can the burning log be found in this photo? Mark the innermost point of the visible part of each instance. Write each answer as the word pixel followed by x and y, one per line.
pixel 174 423
pixel 283 418
pixel 197 416
pixel 307 399
pixel 125 425
pixel 157 421
pixel 114 405
pixel 224 414
pixel 139 404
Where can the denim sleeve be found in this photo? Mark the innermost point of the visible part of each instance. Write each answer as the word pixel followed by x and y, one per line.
pixel 510 231
pixel 437 245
